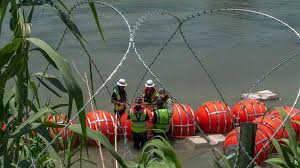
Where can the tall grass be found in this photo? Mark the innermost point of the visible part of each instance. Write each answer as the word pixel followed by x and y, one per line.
pixel 25 116
pixel 24 132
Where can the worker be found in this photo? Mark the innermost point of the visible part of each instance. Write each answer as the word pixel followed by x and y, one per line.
pixel 161 120
pixel 162 95
pixel 119 98
pixel 139 126
pixel 149 91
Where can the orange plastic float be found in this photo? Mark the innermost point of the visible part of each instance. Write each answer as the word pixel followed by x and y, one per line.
pixel 270 123
pixel 125 127
pixel 214 117
pixel 294 115
pixel 65 134
pixel 231 144
pixel 182 124
pixel 103 122
pixel 248 111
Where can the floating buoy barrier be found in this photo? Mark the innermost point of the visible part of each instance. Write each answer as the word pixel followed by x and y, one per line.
pixel 65 135
pixel 214 117
pixel 247 110
pixel 103 122
pixel 182 124
pixel 270 123
pixel 231 144
pixel 294 116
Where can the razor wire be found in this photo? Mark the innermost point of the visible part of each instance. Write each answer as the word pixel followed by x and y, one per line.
pixel 280 126
pixel 193 119
pixel 131 43
pixel 75 6
pixel 149 70
pixel 274 68
pixel 80 3
pixel 259 13
pixel 98 90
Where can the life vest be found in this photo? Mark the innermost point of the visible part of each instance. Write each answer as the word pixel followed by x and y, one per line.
pixel 162 120
pixel 148 94
pixel 138 120
pixel 118 107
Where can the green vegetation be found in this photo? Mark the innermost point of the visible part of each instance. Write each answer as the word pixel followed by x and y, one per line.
pixel 288 150
pixel 24 132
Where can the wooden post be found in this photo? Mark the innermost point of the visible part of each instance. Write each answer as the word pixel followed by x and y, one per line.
pixel 247 141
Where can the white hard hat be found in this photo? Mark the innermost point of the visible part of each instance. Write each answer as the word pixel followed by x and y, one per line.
pixel 122 82
pixel 149 83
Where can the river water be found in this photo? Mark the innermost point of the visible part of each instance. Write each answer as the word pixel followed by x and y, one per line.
pixel 236 47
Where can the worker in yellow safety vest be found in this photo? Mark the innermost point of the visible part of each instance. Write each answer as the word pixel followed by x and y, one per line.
pixel 119 98
pixel 161 119
pixel 139 126
pixel 167 101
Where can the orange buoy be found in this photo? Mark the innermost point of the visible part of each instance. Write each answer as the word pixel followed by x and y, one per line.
pixel 182 124
pixel 103 122
pixel 247 110
pixel 65 134
pixel 126 124
pixel 214 117
pixel 231 144
pixel 270 123
pixel 294 115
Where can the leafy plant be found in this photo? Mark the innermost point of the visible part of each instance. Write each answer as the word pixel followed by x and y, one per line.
pixel 21 111
pixel 288 150
pixel 24 133
pixel 155 153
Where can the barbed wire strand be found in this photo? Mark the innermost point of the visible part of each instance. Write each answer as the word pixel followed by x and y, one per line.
pixel 192 16
pixel 149 70
pixel 198 14
pixel 249 11
pixel 84 48
pixel 280 126
pixel 74 7
pixel 98 90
